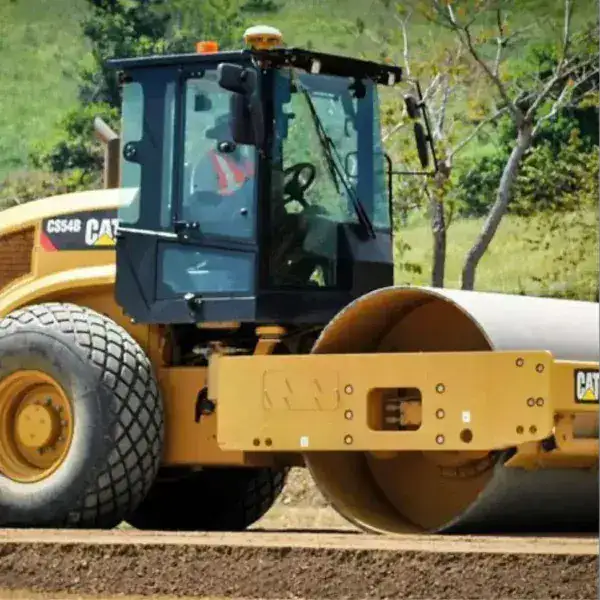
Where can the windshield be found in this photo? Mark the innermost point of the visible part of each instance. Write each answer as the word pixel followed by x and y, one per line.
pixel 332 124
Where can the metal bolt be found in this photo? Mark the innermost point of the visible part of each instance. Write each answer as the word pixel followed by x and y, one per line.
pixel 520 362
pixel 256 442
pixel 440 439
pixel 533 429
pixel 440 388
pixel 348 389
pixel 539 367
pixel 540 402
pixel 348 440
pixel 530 402
pixel 349 415
pixel 268 442
pixel 439 413
pixel 520 429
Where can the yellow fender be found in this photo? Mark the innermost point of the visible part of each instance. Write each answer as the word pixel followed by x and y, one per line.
pixel 60 283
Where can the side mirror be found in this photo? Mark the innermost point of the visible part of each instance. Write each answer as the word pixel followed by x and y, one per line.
pixel 421 141
pixel 247 119
pixel 413 107
pixel 415 111
pixel 236 78
pixel 240 121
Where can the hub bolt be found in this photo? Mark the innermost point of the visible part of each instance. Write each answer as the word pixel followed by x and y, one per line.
pixel 440 439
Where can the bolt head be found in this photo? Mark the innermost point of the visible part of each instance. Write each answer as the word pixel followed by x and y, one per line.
pixel 539 368
pixel 349 415
pixel 440 413
pixel 440 388
pixel 348 389
pixel 348 440
pixel 440 439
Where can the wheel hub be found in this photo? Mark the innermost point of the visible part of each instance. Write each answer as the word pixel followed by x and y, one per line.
pixel 36 426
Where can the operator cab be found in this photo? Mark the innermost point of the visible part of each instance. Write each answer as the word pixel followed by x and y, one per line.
pixel 260 189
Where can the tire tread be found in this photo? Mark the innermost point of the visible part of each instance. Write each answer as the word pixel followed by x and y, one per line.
pixel 136 409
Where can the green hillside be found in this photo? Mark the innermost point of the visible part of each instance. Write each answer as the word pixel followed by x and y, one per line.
pixel 40 44
pixel 565 261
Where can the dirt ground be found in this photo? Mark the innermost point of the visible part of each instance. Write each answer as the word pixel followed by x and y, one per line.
pixel 330 560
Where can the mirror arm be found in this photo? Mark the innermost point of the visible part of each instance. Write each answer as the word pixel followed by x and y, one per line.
pixel 427 125
pixel 390 188
pixel 258 119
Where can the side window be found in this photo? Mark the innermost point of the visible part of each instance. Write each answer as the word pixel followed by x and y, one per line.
pixel 219 175
pixel 132 125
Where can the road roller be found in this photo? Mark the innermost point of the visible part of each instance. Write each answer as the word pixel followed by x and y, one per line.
pixel 225 309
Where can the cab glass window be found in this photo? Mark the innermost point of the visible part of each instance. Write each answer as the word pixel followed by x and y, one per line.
pixel 132 126
pixel 218 175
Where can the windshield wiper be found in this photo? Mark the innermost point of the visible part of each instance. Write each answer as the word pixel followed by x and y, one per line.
pixel 335 169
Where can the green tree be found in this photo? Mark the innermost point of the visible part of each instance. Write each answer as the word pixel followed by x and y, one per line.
pixel 530 98
pixel 128 28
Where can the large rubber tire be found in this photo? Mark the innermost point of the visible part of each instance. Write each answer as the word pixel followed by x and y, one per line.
pixel 117 417
pixel 215 499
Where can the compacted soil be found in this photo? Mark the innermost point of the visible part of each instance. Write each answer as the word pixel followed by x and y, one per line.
pixel 329 560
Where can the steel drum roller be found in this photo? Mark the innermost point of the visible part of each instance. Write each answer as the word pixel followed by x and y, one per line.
pixel 459 492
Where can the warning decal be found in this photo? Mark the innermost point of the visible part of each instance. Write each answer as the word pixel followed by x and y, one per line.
pixel 586 386
pixel 91 230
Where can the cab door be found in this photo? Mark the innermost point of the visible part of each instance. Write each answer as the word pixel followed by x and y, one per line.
pixel 187 247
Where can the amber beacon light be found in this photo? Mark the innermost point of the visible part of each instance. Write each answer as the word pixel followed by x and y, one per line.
pixel 263 37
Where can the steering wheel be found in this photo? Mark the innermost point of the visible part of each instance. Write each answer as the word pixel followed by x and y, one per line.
pixel 298 178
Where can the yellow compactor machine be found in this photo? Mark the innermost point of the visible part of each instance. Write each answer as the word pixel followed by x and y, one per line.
pixel 170 347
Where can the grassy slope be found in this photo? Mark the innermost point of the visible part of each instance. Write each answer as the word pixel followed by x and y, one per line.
pixel 40 42
pixel 508 266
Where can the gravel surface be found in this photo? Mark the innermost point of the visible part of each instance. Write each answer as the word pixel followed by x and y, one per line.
pixel 262 569
pixel 331 561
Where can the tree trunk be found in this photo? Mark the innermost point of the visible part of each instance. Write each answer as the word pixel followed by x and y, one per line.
pixel 524 139
pixel 438 228
pixel 438 223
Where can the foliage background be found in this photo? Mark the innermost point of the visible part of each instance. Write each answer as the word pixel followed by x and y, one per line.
pixel 53 82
